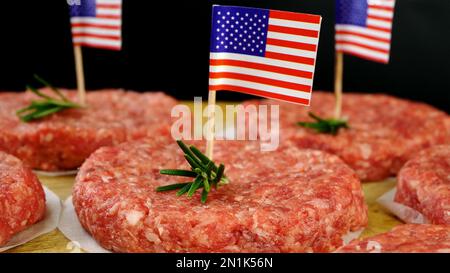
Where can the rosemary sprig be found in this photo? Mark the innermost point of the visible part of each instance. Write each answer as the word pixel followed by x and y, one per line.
pixel 49 105
pixel 204 171
pixel 327 126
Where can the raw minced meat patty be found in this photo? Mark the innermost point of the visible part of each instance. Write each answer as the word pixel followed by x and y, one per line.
pixel 384 131
pixel 409 238
pixel 64 140
pixel 291 200
pixel 424 184
pixel 22 199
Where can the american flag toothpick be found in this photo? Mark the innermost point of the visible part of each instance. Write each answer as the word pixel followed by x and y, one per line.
pixel 263 52
pixel 363 29
pixel 94 23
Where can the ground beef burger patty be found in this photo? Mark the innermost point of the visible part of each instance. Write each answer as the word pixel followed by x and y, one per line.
pixel 22 199
pixel 64 140
pixel 384 131
pixel 291 200
pixel 410 238
pixel 424 184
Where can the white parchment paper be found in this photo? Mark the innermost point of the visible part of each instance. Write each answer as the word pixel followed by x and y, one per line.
pixel 49 223
pixel 70 226
pixel 405 213
pixel 351 236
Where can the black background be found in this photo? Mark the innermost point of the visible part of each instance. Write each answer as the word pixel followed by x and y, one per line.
pixel 166 47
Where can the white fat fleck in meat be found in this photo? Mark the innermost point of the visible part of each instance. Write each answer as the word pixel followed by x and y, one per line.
pixel 299 166
pixel 267 201
pixel 330 230
pixel 373 247
pixel 362 164
pixel 232 248
pixel 114 208
pixel 414 183
pixel 148 204
pixel 202 238
pixel 152 237
pixel 239 198
pixel 320 203
pixel 132 179
pixel 257 230
pixel 366 150
pixel 158 225
pixel 133 217
pixel 261 233
pixel 101 132
pixel 106 179
pixel 241 215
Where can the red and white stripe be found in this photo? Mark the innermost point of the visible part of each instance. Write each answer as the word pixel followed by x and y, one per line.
pixel 287 70
pixel 374 41
pixel 102 31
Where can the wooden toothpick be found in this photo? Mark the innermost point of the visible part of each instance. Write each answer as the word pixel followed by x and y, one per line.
pixel 80 75
pixel 338 78
pixel 211 124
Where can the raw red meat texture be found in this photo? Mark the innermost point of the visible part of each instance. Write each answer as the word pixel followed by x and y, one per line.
pixel 384 131
pixel 64 140
pixel 290 200
pixel 22 199
pixel 411 238
pixel 424 184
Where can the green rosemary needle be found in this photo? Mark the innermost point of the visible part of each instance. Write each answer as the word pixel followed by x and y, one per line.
pixel 48 105
pixel 205 172
pixel 326 126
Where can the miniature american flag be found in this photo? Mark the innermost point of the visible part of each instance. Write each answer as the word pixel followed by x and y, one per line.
pixel 264 52
pixel 97 23
pixel 363 28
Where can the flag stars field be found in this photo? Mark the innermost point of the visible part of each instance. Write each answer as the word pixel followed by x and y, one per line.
pixel 238 37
